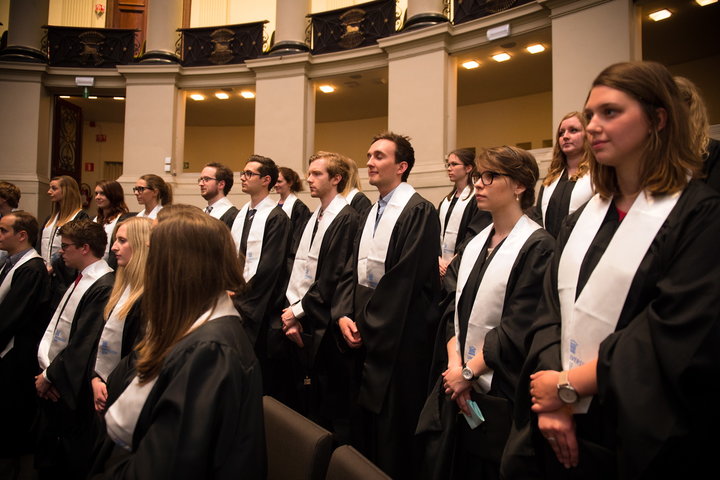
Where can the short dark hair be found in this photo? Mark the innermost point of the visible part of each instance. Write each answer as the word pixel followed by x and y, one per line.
pixel 85 231
pixel 516 163
pixel 404 151
pixel 267 167
pixel 24 222
pixel 10 193
pixel 223 174
pixel 292 178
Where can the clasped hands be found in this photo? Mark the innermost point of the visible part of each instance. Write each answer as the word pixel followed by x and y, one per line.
pixel 292 327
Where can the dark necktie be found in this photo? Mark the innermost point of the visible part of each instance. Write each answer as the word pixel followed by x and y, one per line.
pixel 7 266
pixel 246 230
pixel 208 209
pixel 317 222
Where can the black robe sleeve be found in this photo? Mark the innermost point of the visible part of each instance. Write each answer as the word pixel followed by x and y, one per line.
pixel 535 212
pixel 299 217
pixel 133 328
pixel 263 294
pixel 361 203
pixel 204 414
pixel 336 248
pixel 228 218
pixel 71 370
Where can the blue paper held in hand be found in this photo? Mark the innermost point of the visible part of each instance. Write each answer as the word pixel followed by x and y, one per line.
pixel 476 417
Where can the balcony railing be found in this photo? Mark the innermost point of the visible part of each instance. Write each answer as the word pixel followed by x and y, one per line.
pixel 466 10
pixel 223 45
pixel 89 47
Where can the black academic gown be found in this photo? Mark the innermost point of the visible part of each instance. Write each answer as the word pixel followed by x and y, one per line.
pixel 397 322
pixel 444 433
pixel 473 221
pixel 320 360
pixel 557 208
pixel 711 167
pixel 67 429
pixel 299 216
pixel 228 218
pixel 203 417
pixel 62 275
pixel 24 315
pixel 655 415
pixel 361 203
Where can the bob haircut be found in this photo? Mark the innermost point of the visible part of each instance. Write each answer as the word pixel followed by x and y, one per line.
pixel 516 163
pixel 177 293
pixel 668 156
pixel 292 178
pixel 559 160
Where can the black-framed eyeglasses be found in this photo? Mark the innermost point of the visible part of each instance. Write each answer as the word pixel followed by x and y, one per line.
pixel 249 174
pixel 487 177
pixel 205 179
pixel 452 164
pixel 64 246
pixel 140 189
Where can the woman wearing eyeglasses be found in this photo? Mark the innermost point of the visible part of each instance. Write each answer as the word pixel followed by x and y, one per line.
pixel 567 185
pixel 498 278
pixel 152 192
pixel 460 218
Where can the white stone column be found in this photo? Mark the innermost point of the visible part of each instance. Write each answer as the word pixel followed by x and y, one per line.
pixel 424 13
pixel 152 102
pixel 284 110
pixel 25 31
pixel 164 18
pixel 25 134
pixel 290 26
pixel 587 37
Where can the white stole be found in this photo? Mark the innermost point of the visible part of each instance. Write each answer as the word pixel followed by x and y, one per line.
pixel 587 321
pixel 581 193
pixel 349 197
pixel 220 207
pixel 287 206
pixel 57 335
pixel 122 416
pixel 5 288
pixel 153 213
pixel 308 252
pixel 50 241
pixel 255 235
pixel 110 345
pixel 449 232
pixel 373 247
pixel 109 229
pixel 490 298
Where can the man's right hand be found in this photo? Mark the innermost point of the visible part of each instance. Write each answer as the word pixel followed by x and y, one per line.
pixel 350 333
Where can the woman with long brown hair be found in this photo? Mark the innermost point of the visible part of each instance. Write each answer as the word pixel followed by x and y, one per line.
pixel 625 350
pixel 287 185
pixel 197 396
pixel 153 193
pixel 567 185
pixel 110 200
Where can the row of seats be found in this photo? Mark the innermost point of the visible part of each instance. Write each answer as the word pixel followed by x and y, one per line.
pixel 299 449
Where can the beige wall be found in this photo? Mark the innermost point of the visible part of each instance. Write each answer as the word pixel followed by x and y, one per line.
pixel 4 15
pixel 351 138
pixel 228 145
pixel 506 122
pixel 76 13
pixel 704 73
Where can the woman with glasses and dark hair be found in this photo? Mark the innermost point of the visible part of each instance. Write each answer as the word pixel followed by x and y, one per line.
pixel 110 200
pixel 287 185
pixel 567 185
pixel 152 192
pixel 622 372
pixel 460 218
pixel 498 278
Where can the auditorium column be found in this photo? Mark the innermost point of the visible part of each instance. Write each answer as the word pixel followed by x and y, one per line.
pixel 164 18
pixel 424 13
pixel 25 32
pixel 284 109
pixel 291 24
pixel 587 36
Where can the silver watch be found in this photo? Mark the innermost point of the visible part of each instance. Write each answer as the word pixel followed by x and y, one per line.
pixel 566 392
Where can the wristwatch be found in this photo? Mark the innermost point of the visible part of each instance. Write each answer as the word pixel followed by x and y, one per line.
pixel 566 392
pixel 468 374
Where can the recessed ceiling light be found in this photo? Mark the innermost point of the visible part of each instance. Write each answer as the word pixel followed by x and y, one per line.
pixel 501 57
pixel 326 88
pixel 197 97
pixel 92 97
pixel 118 98
pixel 660 15
pixel 537 48
pixel 222 95
pixel 470 64
pixel 247 94
pixel 64 96
pixel 702 3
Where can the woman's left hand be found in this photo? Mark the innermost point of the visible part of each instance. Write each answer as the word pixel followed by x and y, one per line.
pixel 543 390
pixel 454 382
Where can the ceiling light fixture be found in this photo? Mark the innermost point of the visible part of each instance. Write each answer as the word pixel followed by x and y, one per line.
pixel 222 95
pixel 118 98
pixel 64 96
pixel 247 94
pixel 537 48
pixel 470 64
pixel 326 88
pixel 703 3
pixel 91 97
pixel 660 15
pixel 501 57
pixel 197 97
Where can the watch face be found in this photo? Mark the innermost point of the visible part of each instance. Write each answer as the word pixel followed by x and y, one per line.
pixel 567 395
pixel 467 374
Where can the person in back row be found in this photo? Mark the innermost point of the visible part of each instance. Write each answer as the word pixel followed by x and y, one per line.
pixel 216 180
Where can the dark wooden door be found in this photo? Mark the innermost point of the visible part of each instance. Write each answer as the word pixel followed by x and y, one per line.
pixel 130 14
pixel 67 140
